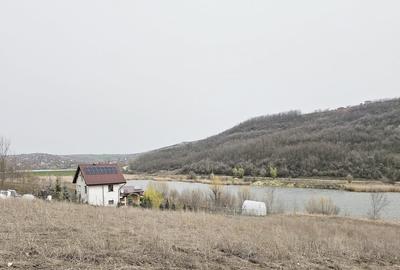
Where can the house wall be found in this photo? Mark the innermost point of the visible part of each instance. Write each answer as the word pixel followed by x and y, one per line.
pixel 96 195
pixel 80 189
pixel 99 195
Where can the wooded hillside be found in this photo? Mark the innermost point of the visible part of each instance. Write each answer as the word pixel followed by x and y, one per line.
pixel 360 141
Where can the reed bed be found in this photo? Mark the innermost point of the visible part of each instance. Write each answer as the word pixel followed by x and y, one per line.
pixel 372 187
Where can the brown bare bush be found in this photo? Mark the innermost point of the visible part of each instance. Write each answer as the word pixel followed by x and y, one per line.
pixel 4 153
pixel 193 199
pixel 322 206
pixel 243 195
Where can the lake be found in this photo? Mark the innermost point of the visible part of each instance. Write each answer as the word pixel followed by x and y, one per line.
pixel 354 204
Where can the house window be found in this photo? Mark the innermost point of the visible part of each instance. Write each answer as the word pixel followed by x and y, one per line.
pixel 111 202
pixel 85 189
pixel 110 188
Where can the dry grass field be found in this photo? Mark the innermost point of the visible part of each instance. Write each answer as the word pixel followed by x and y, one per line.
pixel 40 235
pixel 356 187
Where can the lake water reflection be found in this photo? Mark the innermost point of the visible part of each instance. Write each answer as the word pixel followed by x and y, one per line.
pixel 355 204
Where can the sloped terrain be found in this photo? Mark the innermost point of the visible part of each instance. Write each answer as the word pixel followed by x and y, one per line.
pixel 362 141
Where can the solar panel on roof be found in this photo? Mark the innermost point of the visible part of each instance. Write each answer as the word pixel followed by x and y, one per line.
pixel 100 170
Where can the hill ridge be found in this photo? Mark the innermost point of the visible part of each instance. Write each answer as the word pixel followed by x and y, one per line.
pixel 362 141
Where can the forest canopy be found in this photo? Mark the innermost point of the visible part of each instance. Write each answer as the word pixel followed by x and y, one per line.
pixel 359 141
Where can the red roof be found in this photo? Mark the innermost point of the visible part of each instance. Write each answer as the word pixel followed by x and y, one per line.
pixel 99 174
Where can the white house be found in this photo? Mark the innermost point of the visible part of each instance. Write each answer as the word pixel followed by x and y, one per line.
pixel 98 184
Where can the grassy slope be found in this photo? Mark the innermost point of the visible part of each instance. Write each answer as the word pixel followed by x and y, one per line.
pixel 43 235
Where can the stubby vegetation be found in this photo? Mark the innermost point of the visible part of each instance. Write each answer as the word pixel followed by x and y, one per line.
pixel 354 142
pixel 57 235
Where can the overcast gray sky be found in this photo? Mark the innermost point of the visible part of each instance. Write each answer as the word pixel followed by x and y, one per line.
pixel 130 76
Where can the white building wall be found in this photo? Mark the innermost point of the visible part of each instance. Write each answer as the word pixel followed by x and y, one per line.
pixel 80 189
pixel 96 195
pixel 100 196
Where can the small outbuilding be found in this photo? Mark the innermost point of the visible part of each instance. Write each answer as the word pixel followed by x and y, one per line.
pixel 130 195
pixel 253 208
pixel 98 184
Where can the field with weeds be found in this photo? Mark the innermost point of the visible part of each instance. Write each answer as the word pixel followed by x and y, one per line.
pixel 33 184
pixel 40 235
pixel 45 173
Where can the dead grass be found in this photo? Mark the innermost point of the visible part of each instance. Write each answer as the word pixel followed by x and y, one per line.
pixel 24 184
pixel 321 206
pixel 40 235
pixel 372 187
pixel 33 184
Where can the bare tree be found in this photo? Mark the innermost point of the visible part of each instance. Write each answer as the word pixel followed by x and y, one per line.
pixel 378 202
pixel 4 153
pixel 269 200
pixel 162 188
pixel 193 199
pixel 173 198
pixel 228 200
pixel 216 191
pixel 197 199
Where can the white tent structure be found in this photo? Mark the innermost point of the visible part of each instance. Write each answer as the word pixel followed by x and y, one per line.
pixel 28 197
pixel 253 208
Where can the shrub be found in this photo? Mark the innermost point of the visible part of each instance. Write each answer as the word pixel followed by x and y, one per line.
pixel 211 176
pixel 322 206
pixel 193 199
pixel 263 172
pixel 152 198
pixel 349 178
pixel 192 175
pixel 273 172
pixel 234 172
pixel 240 172
pixel 58 192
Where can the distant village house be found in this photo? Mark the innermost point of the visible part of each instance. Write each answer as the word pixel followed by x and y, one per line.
pixel 99 184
